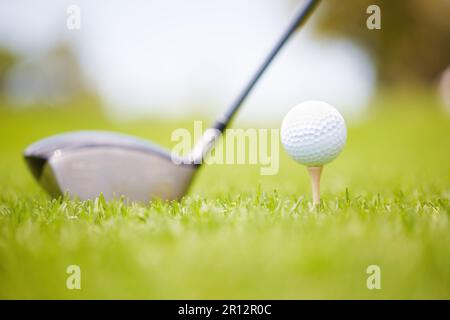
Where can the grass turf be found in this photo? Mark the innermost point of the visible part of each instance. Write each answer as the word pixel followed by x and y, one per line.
pixel 238 234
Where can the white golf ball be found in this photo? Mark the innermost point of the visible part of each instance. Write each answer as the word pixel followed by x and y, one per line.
pixel 313 133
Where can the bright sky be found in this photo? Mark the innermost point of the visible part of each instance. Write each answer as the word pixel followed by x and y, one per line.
pixel 188 57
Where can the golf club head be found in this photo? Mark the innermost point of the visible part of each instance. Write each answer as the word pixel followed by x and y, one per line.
pixel 88 163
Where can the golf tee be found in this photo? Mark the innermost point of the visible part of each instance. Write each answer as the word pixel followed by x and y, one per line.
pixel 314 174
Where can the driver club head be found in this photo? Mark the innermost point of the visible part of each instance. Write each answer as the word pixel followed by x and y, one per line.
pixel 87 163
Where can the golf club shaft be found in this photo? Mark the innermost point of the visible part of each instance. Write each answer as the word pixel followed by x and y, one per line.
pixel 211 136
pixel 299 18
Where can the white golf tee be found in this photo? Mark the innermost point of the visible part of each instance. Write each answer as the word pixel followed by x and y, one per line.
pixel 314 174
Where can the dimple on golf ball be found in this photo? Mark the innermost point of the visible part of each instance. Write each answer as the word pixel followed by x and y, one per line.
pixel 313 133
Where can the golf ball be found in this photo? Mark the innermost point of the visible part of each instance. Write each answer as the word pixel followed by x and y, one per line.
pixel 313 133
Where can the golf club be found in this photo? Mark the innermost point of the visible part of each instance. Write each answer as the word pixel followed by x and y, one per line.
pixel 88 163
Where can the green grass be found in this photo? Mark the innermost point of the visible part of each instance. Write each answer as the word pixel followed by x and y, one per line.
pixel 238 234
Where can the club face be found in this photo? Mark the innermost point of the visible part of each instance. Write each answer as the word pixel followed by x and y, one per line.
pixel 86 164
